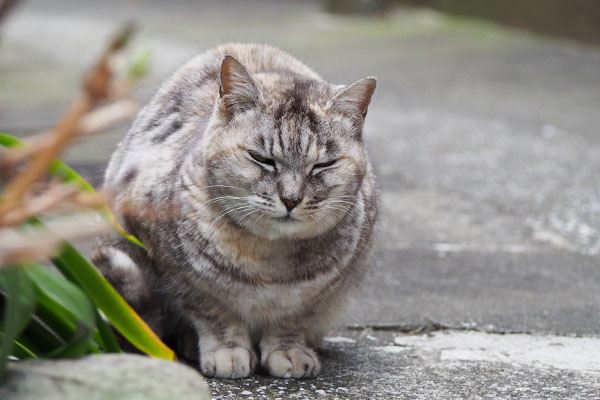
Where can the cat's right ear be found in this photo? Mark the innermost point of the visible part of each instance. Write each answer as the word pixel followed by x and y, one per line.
pixel 354 100
pixel 237 91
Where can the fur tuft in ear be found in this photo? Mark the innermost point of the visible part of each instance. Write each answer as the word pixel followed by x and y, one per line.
pixel 238 92
pixel 354 100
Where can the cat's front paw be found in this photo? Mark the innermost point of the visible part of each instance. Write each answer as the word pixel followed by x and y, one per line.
pixel 228 362
pixel 296 362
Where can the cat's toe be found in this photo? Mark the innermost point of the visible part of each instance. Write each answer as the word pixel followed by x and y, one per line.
pixel 293 363
pixel 229 363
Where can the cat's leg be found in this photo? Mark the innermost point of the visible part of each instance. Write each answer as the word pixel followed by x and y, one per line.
pixel 285 354
pixel 225 348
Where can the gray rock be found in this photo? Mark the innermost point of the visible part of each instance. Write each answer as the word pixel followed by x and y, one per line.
pixel 107 376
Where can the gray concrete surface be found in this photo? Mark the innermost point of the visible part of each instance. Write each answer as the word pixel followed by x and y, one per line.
pixel 370 365
pixel 487 146
pixel 494 291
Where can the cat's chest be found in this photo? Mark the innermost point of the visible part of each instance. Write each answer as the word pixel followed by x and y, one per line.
pixel 262 302
pixel 273 261
pixel 262 279
pixel 269 280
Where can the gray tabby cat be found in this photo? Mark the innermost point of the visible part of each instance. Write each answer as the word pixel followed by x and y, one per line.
pixel 248 179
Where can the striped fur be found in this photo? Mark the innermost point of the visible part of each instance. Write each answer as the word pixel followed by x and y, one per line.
pixel 248 179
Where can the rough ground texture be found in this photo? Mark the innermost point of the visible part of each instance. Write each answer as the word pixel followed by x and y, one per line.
pixel 382 365
pixel 487 145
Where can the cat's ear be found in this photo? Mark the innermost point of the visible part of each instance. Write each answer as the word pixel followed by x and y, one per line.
pixel 353 101
pixel 237 91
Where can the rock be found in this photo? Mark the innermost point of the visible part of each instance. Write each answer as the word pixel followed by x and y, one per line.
pixel 106 376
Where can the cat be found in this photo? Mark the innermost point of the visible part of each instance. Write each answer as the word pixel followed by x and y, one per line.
pixel 247 178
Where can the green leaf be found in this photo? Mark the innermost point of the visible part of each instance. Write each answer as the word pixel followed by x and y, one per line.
pixel 68 175
pixel 19 303
pixel 24 348
pixel 66 309
pixel 21 351
pixel 39 337
pixel 9 141
pixel 140 64
pixel 106 337
pixel 107 299
pixel 77 269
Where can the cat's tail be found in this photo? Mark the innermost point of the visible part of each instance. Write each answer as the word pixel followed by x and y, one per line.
pixel 120 270
pixel 134 282
pixel 128 269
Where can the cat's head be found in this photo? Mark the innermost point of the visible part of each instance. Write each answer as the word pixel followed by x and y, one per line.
pixel 284 155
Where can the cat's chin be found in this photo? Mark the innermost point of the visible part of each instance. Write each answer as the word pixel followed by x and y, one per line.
pixel 287 228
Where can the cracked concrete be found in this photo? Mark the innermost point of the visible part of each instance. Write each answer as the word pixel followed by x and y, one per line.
pixel 486 143
pixel 375 364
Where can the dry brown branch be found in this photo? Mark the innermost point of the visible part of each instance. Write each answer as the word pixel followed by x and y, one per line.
pixel 18 247
pixel 107 116
pixel 103 118
pixel 58 198
pixel 97 86
pixel 34 144
pixel 27 194
pixel 5 6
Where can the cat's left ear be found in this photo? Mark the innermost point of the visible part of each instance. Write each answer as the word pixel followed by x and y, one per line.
pixel 237 90
pixel 353 101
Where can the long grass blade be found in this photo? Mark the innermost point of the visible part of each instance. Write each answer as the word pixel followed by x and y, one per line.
pixel 76 268
pixel 119 313
pixel 19 303
pixel 106 337
pixel 66 309
pixel 21 351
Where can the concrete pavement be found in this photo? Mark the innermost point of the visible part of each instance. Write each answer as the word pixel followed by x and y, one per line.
pixel 367 364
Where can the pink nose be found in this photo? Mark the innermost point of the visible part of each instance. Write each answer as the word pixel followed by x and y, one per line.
pixel 290 203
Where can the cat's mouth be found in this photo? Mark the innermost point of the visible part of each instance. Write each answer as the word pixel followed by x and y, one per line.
pixel 285 219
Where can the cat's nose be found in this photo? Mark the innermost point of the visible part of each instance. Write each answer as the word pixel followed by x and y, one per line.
pixel 290 203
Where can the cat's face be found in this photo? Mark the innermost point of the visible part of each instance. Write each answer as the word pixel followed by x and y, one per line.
pixel 284 158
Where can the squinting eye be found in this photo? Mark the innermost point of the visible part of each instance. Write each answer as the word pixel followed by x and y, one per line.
pixel 325 164
pixel 318 167
pixel 261 159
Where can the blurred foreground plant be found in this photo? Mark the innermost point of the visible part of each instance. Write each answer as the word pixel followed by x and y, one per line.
pixel 44 313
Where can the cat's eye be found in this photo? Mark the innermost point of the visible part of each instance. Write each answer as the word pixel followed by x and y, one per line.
pixel 322 165
pixel 261 159
pixel 325 164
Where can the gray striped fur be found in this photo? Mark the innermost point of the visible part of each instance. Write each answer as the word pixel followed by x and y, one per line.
pixel 255 282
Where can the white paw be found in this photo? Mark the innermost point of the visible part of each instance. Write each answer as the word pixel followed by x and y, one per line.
pixel 296 362
pixel 228 362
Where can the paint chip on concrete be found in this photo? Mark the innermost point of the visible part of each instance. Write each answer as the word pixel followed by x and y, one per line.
pixel 571 353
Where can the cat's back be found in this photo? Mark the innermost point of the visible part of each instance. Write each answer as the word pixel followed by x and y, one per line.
pixel 174 120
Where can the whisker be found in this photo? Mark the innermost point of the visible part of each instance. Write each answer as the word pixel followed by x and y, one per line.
pixel 216 199
pixel 240 208
pixel 230 211
pixel 247 214
pixel 258 219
